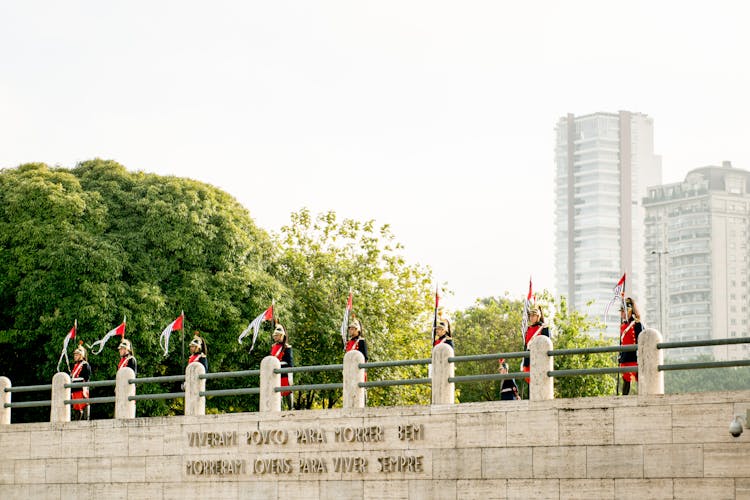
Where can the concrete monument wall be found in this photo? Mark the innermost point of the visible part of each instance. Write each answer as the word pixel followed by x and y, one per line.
pixel 596 448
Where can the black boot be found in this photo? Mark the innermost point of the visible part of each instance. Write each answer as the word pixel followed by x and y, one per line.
pixel 625 388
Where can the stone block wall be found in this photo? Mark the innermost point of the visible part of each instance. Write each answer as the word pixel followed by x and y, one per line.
pixel 674 446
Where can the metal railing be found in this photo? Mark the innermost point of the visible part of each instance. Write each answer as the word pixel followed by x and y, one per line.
pixel 452 360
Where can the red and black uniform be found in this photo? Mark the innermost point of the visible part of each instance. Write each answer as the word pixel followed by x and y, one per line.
pixel 532 331
pixel 199 357
pixel 445 339
pixel 629 332
pixel 358 344
pixel 283 352
pixel 128 361
pixel 81 372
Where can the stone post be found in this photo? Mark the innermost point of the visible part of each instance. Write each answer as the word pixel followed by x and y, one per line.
pixel 59 411
pixel 195 404
pixel 354 395
pixel 4 398
pixel 650 379
pixel 270 400
pixel 123 408
pixel 542 385
pixel 443 392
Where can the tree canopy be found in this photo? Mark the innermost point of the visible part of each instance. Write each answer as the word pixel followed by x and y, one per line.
pixel 320 259
pixel 493 324
pixel 98 243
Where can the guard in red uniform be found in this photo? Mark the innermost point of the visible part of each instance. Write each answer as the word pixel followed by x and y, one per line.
pixel 198 351
pixel 630 328
pixel 356 340
pixel 81 372
pixel 536 327
pixel 443 334
pixel 283 352
pixel 126 356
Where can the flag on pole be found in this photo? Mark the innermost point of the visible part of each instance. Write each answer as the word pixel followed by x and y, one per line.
pixel 173 326
pixel 435 313
pixel 119 330
pixel 619 294
pixel 526 308
pixel 345 321
pixel 254 325
pixel 64 354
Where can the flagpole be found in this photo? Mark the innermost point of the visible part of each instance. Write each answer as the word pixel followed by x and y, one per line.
pixel 435 313
pixel 182 338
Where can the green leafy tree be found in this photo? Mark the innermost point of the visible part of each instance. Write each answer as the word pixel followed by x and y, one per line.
pixel 97 243
pixel 491 325
pixel 319 260
pixel 494 325
pixel 706 379
pixel 574 330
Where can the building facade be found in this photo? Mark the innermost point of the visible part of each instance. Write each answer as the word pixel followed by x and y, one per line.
pixel 698 271
pixel 604 164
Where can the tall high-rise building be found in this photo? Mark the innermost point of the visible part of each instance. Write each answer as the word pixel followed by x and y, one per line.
pixel 698 266
pixel 604 163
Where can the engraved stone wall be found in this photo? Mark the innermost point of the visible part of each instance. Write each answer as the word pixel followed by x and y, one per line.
pixel 657 447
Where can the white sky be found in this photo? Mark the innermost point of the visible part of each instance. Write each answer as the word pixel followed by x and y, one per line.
pixel 434 117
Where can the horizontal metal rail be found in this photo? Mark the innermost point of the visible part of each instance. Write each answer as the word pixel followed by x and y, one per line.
pixel 594 350
pixel 592 371
pixel 314 368
pixel 230 392
pixel 705 364
pixel 218 375
pixel 403 362
pixel 150 380
pixel 485 357
pixel 29 388
pixel 98 383
pixel 27 404
pixel 166 395
pixel 388 383
pixel 309 387
pixel 108 399
pixel 488 376
pixel 703 343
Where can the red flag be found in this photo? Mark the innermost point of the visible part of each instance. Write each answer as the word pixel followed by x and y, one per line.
pixel 254 325
pixel 64 354
pixel 619 294
pixel 528 297
pixel 526 308
pixel 120 330
pixel 345 321
pixel 174 325
pixel 435 313
pixel 269 313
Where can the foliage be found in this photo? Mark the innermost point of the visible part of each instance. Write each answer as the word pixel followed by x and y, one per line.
pixel 493 325
pixel 706 379
pixel 572 331
pixel 97 243
pixel 320 259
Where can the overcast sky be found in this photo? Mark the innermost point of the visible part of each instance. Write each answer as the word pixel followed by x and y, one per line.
pixel 434 117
